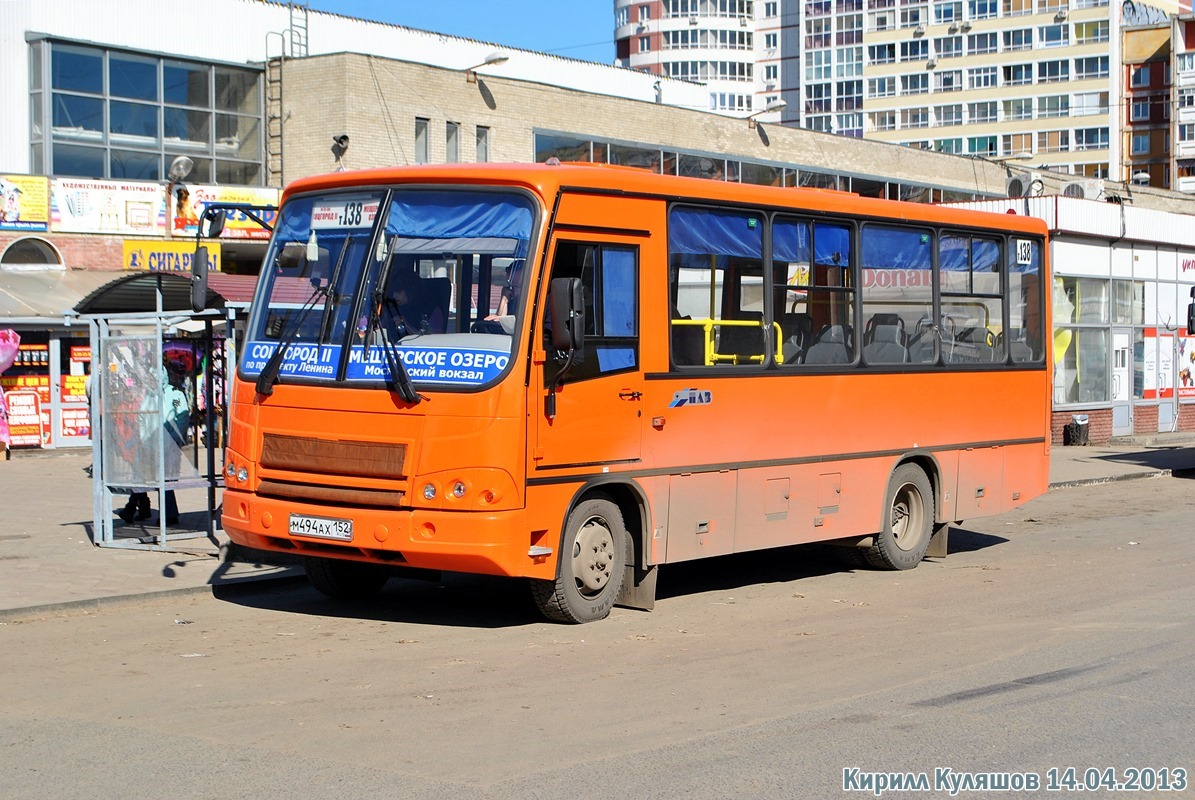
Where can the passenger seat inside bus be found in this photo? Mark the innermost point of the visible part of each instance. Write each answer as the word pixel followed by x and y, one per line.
pixel 743 340
pixel 834 345
pixel 884 340
pixel 797 330
pixel 921 345
pixel 688 342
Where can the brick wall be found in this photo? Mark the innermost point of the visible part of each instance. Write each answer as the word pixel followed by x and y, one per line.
pixel 1099 425
pixel 1145 419
pixel 77 250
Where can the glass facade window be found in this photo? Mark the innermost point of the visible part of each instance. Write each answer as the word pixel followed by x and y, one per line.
pixel 117 114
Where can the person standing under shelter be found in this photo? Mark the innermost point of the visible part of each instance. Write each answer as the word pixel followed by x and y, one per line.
pixel 176 420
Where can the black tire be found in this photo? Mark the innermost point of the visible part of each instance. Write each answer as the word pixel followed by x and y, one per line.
pixel 346 580
pixel 594 551
pixel 908 521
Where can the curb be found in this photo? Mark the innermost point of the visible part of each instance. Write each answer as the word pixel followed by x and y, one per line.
pixel 1159 473
pixel 246 586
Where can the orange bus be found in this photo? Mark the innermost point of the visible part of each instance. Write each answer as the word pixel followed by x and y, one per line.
pixel 576 373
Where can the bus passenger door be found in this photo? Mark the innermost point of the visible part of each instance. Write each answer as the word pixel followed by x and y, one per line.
pixel 598 419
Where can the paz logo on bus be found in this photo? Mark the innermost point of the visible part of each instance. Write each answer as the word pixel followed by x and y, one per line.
pixel 691 397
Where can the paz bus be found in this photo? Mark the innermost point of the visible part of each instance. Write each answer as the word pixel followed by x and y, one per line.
pixel 682 368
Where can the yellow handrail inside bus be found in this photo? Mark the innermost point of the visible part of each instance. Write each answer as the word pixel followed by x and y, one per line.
pixel 712 356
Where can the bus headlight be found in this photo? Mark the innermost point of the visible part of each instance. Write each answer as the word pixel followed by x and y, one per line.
pixel 242 475
pixel 458 490
pixel 429 491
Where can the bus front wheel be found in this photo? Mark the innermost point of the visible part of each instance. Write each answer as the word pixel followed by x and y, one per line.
pixel 591 567
pixel 345 580
pixel 908 521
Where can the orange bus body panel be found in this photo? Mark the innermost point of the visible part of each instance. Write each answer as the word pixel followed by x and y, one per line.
pixel 775 458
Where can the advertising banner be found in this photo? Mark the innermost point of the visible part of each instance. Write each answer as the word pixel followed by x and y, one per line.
pixel 24 419
pixel 24 203
pixel 188 202
pixel 116 207
pixel 166 255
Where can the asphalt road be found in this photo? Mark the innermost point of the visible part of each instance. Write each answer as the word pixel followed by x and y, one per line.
pixel 1058 636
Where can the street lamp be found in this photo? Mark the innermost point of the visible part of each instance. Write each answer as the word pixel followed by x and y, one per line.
pixel 775 105
pixel 491 60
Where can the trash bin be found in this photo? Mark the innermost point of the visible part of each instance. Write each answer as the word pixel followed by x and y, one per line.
pixel 1075 432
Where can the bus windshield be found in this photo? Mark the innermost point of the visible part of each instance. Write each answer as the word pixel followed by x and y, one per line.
pixel 356 279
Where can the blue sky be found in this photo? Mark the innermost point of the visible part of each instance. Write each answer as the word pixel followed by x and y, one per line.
pixel 581 29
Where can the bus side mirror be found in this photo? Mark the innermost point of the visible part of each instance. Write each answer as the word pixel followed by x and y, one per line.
pixel 199 279
pixel 213 223
pixel 566 312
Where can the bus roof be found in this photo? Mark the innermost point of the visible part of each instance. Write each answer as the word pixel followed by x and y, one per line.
pixel 547 179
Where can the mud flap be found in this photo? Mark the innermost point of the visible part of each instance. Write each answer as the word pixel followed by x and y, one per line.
pixel 638 588
pixel 937 540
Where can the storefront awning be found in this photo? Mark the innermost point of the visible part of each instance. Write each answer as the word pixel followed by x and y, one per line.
pixel 52 293
pixel 28 295
pixel 138 293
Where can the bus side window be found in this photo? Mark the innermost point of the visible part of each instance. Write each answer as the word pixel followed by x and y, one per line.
pixel 610 277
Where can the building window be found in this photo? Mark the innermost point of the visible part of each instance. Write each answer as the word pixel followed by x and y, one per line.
pixel 771 72
pixel 1186 132
pixel 1186 98
pixel 881 87
pixel 1091 139
pixel 982 112
pixel 981 146
pixel 644 44
pixel 483 144
pixel 882 53
pixel 917 50
pixel 952 146
pixel 978 43
pixel 945 13
pixel 949 81
pixel 1016 144
pixel 912 16
pixel 883 120
pixel 771 40
pixel 1091 32
pixel 1140 76
pixel 1093 67
pixel 1053 35
pixel 1140 111
pixel 769 9
pixel 1017 8
pixel 116 114
pixel 1053 71
pixel 1053 141
pixel 1086 104
pixel 917 83
pixel 1018 39
pixel 1140 144
pixel 914 118
pixel 1018 74
pixel 644 13
pixel 452 142
pixel 982 9
pixel 982 78
pixel 1053 106
pixel 1019 108
pixel 948 46
pixel 421 144
pixel 949 115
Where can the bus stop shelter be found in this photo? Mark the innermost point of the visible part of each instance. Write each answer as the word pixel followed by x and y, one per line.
pixel 148 344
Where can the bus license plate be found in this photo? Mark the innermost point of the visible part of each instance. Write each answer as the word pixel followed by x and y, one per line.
pixel 321 527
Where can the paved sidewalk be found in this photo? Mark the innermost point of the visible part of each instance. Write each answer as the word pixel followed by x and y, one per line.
pixel 48 563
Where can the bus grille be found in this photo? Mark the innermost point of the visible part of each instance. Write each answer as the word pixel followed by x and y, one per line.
pixel 312 468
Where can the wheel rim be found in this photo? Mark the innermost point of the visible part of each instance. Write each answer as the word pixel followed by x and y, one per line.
pixel 908 516
pixel 593 556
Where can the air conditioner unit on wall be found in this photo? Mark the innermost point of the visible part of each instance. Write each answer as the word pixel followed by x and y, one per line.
pixel 1023 184
pixel 1085 189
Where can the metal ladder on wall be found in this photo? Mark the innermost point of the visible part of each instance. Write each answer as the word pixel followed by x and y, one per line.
pixel 292 44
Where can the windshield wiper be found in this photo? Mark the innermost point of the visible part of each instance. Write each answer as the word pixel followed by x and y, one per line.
pixel 400 381
pixel 326 321
pixel 269 374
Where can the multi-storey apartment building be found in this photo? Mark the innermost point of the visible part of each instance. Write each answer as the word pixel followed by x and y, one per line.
pixel 1183 102
pixel 1042 84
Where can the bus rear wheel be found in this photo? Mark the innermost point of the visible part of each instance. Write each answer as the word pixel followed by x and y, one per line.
pixel 908 521
pixel 591 567
pixel 345 580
